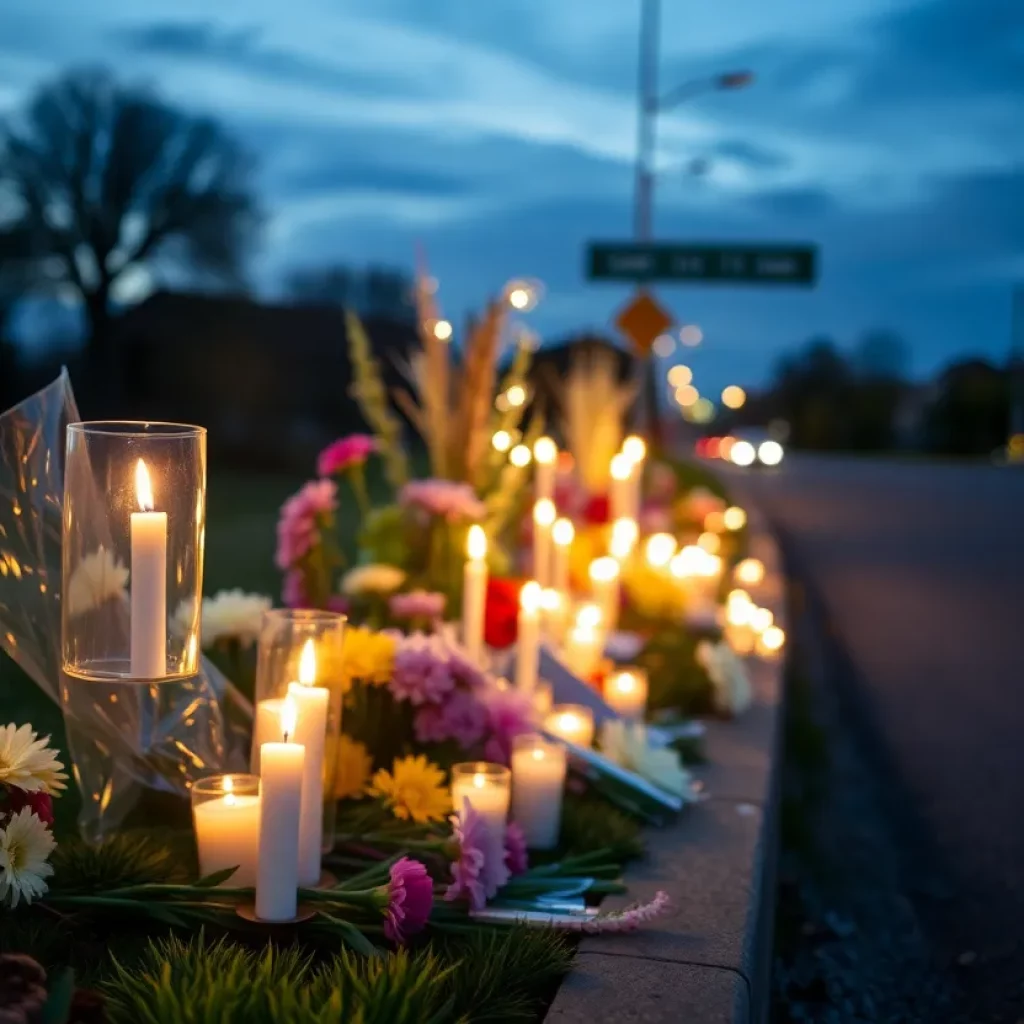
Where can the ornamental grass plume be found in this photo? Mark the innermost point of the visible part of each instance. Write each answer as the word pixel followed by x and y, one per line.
pixel 414 789
pixel 410 898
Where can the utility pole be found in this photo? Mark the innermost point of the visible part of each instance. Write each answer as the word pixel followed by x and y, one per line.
pixel 1017 365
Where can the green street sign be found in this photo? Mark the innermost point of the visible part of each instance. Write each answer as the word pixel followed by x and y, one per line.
pixel 706 263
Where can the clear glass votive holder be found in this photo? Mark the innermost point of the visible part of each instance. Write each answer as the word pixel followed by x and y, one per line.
pixel 226 819
pixel 625 692
pixel 487 787
pixel 134 520
pixel 300 655
pixel 538 783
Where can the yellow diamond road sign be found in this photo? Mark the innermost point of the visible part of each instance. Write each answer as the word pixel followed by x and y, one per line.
pixel 642 320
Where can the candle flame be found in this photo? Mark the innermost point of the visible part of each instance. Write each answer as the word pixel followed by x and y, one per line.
pixel 588 617
pixel 604 569
pixel 544 512
pixel 624 682
pixel 476 543
pixel 621 467
pixel 479 781
pixel 289 717
pixel 550 599
pixel 143 487
pixel 307 664
pixel 538 753
pixel 545 451
pixel 634 448
pixel 563 532
pixel 530 596
pixel 229 784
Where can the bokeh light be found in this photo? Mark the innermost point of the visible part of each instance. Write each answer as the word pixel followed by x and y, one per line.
pixel 770 453
pixel 687 395
pixel 664 345
pixel 734 518
pixel 742 453
pixel 691 335
pixel 734 397
pixel 679 376
pixel 520 456
pixel 502 440
pixel 442 330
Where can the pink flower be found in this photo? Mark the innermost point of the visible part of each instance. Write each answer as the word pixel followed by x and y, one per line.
pixel 419 604
pixel 517 860
pixel 293 590
pixel 453 501
pixel 627 920
pixel 510 713
pixel 421 674
pixel 301 518
pixel 655 519
pixel 468 877
pixel 410 898
pixel 39 803
pixel 344 453
pixel 430 725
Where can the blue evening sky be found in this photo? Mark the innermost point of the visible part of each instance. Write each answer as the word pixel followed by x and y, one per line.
pixel 500 134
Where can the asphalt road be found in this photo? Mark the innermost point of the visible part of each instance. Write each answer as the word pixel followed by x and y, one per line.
pixel 920 568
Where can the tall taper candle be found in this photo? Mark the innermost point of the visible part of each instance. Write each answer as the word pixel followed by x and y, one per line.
pixel 620 489
pixel 311 707
pixel 562 533
pixel 148 581
pixel 528 640
pixel 604 583
pixel 544 514
pixel 277 874
pixel 545 459
pixel 474 592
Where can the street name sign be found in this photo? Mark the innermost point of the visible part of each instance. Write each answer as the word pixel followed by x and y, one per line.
pixel 768 264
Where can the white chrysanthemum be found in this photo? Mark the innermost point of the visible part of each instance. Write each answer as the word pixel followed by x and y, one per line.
pixel 372 579
pixel 27 762
pixel 728 675
pixel 626 744
pixel 97 578
pixel 228 615
pixel 25 845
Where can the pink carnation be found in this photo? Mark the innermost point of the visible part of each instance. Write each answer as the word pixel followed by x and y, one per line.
pixel 300 520
pixel 510 713
pixel 468 871
pixel 453 501
pixel 461 718
pixel 410 896
pixel 419 604
pixel 344 453
pixel 517 860
pixel 421 674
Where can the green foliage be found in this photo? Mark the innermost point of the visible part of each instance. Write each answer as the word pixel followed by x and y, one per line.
pixel 676 680
pixel 590 823
pixel 506 975
pixel 382 538
pixel 126 858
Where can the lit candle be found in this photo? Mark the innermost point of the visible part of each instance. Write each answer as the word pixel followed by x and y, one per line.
pixel 562 533
pixel 573 723
pixel 148 583
pixel 761 619
pixel 545 457
pixel 635 450
pixel 604 586
pixel 620 493
pixel 266 729
pixel 227 828
pixel 538 781
pixel 659 549
pixel 734 518
pixel 624 537
pixel 583 650
pixel 626 693
pixel 554 613
pixel 544 514
pixel 277 875
pixel 311 706
pixel 528 640
pixel 770 642
pixel 543 698
pixel 487 789
pixel 710 542
pixel 750 572
pixel 474 592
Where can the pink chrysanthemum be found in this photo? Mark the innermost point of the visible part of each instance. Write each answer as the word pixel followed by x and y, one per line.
pixel 461 717
pixel 418 604
pixel 299 523
pixel 410 898
pixel 445 498
pixel 517 860
pixel 468 872
pixel 421 674
pixel 510 713
pixel 345 453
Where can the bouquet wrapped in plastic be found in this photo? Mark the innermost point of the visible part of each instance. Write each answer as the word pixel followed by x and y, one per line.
pixel 122 739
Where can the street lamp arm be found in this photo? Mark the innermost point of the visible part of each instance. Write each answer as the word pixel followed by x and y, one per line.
pixel 727 80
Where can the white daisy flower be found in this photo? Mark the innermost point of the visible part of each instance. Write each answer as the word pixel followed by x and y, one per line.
pixel 732 691
pixel 626 744
pixel 25 845
pixel 27 762
pixel 97 578
pixel 228 615
pixel 372 579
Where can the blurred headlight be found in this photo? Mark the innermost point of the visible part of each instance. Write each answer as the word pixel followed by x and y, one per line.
pixel 770 453
pixel 742 453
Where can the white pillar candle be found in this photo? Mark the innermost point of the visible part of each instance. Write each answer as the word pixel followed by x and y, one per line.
pixel 311 706
pixel 148 581
pixel 635 450
pixel 544 514
pixel 604 588
pixel 620 489
pixel 538 782
pixel 543 698
pixel 659 549
pixel 474 592
pixel 266 729
pixel 277 876
pixel 545 459
pixel 562 534
pixel 626 693
pixel 571 722
pixel 528 639
pixel 554 615
pixel 486 787
pixel 583 649
pixel 227 834
pixel 623 539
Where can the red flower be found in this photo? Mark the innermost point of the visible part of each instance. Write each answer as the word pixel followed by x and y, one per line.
pixel 501 612
pixel 597 510
pixel 40 804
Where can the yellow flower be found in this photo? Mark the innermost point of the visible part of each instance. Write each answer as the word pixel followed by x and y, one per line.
pixel 352 772
pixel 414 789
pixel 367 656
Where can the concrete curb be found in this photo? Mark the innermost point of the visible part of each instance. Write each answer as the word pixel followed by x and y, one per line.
pixel 709 960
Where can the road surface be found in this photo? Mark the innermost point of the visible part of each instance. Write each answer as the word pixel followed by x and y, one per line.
pixel 920 568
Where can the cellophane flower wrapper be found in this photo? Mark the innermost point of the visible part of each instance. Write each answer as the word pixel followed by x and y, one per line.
pixel 122 738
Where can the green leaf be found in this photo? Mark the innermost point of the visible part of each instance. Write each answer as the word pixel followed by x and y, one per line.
pixel 58 1002
pixel 211 881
